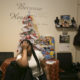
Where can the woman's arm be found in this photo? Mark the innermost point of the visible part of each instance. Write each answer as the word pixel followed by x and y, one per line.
pixel 23 61
pixel 45 68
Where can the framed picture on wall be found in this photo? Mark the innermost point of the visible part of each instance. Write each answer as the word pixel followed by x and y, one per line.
pixel 65 20
pixel 64 39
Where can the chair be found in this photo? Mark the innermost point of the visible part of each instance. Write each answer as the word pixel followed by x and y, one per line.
pixel 67 70
pixel 0 73
pixel 5 55
pixel 5 65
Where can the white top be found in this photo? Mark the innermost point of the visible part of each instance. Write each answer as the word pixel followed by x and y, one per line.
pixel 33 64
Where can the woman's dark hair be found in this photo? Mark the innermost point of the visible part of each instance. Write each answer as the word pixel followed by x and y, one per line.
pixel 33 52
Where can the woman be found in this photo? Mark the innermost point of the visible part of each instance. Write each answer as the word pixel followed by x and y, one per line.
pixel 32 59
pixel 29 65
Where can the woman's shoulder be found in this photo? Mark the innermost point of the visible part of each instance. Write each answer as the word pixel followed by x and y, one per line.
pixel 39 54
pixel 37 51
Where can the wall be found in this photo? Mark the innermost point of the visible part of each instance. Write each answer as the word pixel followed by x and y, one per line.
pixel 44 13
pixel 78 20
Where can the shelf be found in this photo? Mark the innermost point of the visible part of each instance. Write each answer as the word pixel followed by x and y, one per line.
pixel 71 27
pixel 65 23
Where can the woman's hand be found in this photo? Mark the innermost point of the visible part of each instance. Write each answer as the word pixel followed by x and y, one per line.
pixel 24 48
pixel 24 45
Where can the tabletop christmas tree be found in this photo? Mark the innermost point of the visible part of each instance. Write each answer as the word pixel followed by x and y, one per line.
pixel 29 31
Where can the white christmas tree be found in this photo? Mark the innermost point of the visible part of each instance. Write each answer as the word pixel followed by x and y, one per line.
pixel 29 32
